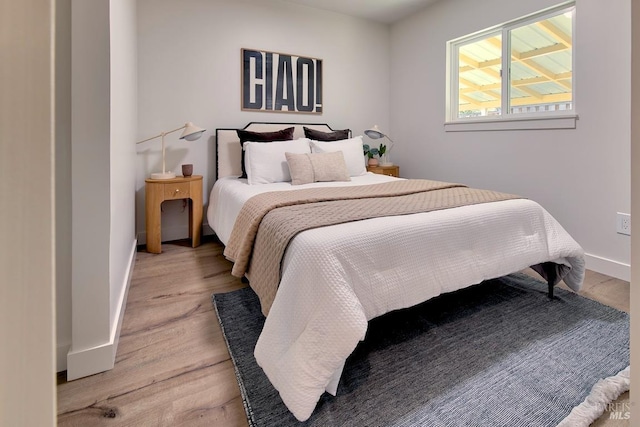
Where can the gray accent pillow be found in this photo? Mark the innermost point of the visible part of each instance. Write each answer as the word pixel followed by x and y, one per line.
pixel 317 167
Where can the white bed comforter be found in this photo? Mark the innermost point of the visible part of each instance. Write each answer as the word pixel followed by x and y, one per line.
pixel 335 279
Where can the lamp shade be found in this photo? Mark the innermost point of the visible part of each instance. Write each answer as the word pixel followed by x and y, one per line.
pixel 191 132
pixel 374 133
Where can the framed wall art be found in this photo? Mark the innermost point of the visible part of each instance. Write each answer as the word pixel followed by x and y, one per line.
pixel 280 82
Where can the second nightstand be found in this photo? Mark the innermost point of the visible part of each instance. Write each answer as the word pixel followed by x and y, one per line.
pixel 159 190
pixel 393 170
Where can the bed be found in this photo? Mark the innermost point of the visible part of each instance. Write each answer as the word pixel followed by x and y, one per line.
pixel 335 278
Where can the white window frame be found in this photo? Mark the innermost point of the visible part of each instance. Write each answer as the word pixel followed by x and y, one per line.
pixel 507 120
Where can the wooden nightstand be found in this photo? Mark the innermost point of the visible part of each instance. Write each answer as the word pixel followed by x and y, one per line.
pixel 159 190
pixel 385 170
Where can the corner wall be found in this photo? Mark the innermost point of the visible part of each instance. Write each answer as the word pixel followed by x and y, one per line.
pixel 63 181
pixel 635 208
pixel 581 176
pixel 123 131
pixel 90 157
pixel 104 110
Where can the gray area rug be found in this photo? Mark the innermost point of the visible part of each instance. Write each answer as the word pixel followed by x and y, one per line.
pixel 497 354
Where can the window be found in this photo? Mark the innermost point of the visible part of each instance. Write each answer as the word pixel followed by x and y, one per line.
pixel 518 71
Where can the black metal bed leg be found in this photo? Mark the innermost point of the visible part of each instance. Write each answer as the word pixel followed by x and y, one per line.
pixel 551 272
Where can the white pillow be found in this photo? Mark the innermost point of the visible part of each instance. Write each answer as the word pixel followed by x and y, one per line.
pixel 351 149
pixel 265 162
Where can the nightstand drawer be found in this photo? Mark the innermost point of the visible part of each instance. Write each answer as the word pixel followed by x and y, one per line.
pixel 385 170
pixel 177 190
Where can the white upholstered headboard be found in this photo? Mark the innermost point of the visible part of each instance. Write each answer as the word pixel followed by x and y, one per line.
pixel 229 151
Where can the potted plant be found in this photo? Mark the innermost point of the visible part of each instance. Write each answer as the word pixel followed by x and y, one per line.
pixel 372 152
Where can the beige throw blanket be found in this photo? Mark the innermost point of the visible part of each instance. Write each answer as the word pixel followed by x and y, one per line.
pixel 268 221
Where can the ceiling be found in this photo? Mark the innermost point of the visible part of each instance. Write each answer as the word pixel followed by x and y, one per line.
pixel 384 11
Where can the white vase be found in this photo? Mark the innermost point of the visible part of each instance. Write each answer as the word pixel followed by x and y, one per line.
pixel 384 160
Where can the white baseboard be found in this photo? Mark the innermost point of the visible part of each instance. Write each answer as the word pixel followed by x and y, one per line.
pixel 89 361
pixel 61 356
pixel 609 267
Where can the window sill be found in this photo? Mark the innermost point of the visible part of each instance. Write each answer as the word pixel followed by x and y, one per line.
pixel 513 123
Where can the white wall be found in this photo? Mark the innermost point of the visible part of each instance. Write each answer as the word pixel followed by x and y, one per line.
pixel 103 179
pixel 189 70
pixel 635 207
pixel 27 247
pixel 124 128
pixel 90 178
pixel 63 181
pixel 581 176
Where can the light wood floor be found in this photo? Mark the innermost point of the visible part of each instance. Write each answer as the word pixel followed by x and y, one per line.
pixel 172 366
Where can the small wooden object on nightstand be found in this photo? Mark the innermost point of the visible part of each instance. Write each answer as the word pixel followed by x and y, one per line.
pixel 159 190
pixel 393 170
